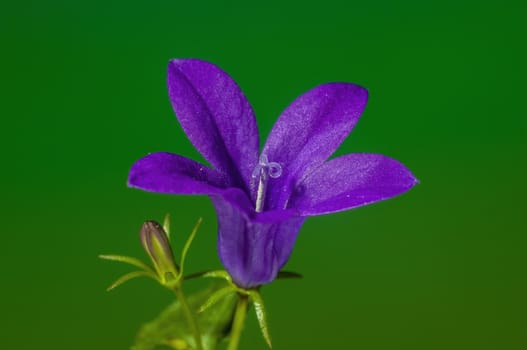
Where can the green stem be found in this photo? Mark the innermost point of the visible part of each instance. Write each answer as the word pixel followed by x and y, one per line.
pixel 239 320
pixel 190 317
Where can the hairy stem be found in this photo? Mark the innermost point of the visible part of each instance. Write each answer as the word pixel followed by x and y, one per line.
pixel 190 317
pixel 239 320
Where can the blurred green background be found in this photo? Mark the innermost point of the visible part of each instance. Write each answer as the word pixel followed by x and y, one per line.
pixel 83 96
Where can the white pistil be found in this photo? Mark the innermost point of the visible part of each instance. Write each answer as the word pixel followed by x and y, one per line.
pixel 263 171
pixel 260 194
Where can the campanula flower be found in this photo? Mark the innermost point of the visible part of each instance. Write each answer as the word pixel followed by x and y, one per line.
pixel 263 198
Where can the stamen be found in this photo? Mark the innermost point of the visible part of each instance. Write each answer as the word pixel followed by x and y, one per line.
pixel 263 170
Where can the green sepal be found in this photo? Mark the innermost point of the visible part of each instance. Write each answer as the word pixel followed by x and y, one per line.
pixel 145 272
pixel 155 241
pixel 128 260
pixel 170 330
pixel 211 274
pixel 254 296
pixel 129 276
pixel 216 297
pixel 288 275
pixel 187 246
pixel 261 315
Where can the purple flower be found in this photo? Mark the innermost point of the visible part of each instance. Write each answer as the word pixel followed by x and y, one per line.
pixel 262 199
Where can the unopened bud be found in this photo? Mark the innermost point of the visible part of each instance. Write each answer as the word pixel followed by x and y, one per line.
pixel 156 244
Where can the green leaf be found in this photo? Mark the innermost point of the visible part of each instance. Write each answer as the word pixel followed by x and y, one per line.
pixel 171 331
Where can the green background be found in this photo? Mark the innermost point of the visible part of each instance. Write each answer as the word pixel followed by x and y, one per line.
pixel 83 96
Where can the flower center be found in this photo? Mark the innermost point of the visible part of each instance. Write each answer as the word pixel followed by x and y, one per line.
pixel 261 173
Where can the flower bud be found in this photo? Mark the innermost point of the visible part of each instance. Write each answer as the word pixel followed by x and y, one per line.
pixel 156 244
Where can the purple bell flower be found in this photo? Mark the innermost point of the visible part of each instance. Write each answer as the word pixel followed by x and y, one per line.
pixel 262 199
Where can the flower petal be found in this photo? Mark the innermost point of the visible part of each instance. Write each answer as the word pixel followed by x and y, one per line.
pixel 216 116
pixel 253 252
pixel 351 181
pixel 285 238
pixel 173 174
pixel 309 131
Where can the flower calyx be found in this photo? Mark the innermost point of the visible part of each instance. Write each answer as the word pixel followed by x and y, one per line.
pixel 155 240
pixel 251 295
